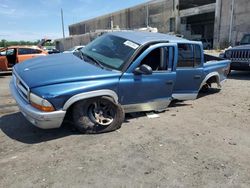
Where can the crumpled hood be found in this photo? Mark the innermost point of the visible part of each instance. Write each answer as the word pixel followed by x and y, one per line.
pixel 59 68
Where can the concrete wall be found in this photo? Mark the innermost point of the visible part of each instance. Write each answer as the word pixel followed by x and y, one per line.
pixel 77 40
pixel 239 22
pixel 154 13
pixel 163 13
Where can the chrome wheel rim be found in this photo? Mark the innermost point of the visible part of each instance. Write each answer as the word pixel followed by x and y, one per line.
pixel 101 112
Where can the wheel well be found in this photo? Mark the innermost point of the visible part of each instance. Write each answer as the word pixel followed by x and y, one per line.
pixel 213 79
pixel 70 108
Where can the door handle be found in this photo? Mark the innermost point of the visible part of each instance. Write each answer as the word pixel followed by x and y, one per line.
pixel 170 82
pixel 197 76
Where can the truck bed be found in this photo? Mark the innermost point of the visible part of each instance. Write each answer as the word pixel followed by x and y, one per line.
pixel 218 65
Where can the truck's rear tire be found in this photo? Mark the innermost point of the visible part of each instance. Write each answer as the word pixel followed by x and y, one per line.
pixel 205 88
pixel 97 115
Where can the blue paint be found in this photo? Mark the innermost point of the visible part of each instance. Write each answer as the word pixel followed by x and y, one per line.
pixel 61 76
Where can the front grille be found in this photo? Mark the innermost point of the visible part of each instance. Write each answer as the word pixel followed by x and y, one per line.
pixel 21 87
pixel 239 56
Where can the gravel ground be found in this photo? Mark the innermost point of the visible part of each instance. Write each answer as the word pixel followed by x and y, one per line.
pixel 201 143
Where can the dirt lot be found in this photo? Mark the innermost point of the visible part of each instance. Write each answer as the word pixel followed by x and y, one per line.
pixel 201 143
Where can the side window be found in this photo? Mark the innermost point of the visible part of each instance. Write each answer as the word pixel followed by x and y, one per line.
pixel 157 59
pixel 185 55
pixel 3 52
pixel 23 51
pixel 197 55
pixel 189 55
pixel 34 51
pixel 10 52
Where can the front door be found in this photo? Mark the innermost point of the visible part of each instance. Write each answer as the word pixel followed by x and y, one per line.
pixel 7 58
pixel 3 63
pixel 146 92
pixel 3 60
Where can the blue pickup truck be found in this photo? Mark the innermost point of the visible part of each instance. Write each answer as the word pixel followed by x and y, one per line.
pixel 117 73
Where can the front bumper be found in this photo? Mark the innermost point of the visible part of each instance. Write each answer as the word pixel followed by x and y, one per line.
pixel 243 66
pixel 43 120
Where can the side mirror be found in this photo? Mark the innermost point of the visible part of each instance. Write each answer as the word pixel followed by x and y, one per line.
pixel 238 43
pixel 143 69
pixel 78 54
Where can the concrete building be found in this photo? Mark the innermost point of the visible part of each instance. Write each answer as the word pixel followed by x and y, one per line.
pixel 219 22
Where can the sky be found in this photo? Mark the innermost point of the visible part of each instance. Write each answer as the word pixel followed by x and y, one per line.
pixel 35 19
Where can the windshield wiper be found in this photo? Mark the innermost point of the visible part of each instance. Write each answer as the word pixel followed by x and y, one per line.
pixel 78 54
pixel 97 62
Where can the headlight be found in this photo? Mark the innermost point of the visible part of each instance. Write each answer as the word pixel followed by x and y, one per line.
pixel 40 103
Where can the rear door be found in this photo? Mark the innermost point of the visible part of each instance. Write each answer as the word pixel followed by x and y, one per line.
pixel 189 71
pixel 154 91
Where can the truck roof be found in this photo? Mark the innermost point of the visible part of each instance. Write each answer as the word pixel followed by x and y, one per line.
pixel 146 37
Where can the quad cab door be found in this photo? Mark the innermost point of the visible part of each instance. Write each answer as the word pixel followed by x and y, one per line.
pixel 189 71
pixel 148 83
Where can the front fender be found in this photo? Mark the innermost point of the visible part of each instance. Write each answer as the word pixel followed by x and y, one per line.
pixel 67 93
pixel 90 94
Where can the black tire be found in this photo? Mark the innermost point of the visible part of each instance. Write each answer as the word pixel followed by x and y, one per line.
pixel 205 88
pixel 97 115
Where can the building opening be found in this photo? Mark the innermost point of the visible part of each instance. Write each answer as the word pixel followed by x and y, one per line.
pixel 197 20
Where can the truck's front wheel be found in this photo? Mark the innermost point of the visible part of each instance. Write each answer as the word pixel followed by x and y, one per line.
pixel 97 115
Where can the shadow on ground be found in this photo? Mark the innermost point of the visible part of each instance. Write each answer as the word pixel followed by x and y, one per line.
pixel 177 103
pixel 5 74
pixel 18 128
pixel 210 91
pixel 239 75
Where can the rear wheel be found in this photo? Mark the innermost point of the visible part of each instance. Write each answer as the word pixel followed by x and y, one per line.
pixel 97 115
pixel 205 88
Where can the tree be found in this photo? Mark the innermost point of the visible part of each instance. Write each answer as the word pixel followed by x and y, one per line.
pixel 3 43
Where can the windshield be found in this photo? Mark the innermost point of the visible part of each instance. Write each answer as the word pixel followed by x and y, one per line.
pixel 245 40
pixel 111 51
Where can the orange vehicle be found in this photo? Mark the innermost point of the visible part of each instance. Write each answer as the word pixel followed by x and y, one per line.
pixel 15 54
